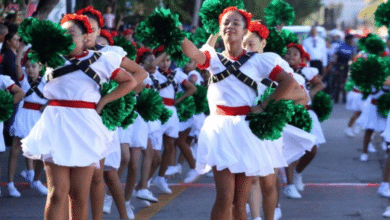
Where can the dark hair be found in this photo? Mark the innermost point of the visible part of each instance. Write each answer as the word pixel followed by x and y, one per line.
pixel 144 57
pixel 10 16
pixel 7 37
pixel 92 16
pixel 349 37
pixel 81 26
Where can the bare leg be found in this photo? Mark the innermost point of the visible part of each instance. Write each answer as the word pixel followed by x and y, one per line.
pixel 185 148
pixel 225 187
pixel 125 159
pixel 115 187
pixel 254 199
pixel 58 182
pixel 243 185
pixel 97 192
pixel 38 169
pixel 290 172
pixel 169 145
pixel 353 119
pixel 306 159
pixel 132 171
pixel 13 158
pixel 367 138
pixel 146 167
pixel 270 199
pixel 80 184
pixel 155 163
pixel 386 170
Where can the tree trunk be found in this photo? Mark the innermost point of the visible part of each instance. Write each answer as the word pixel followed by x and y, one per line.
pixel 195 19
pixel 44 8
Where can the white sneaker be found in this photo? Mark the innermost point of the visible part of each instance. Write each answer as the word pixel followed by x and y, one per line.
pixel 162 185
pixel 258 218
pixel 278 213
pixel 371 148
pixel 145 194
pixel 349 132
pixel 28 175
pixel 192 176
pixel 107 204
pixel 171 170
pixel 386 214
pixel 384 190
pixel 384 146
pixel 357 129
pixel 248 209
pixel 298 182
pixel 144 203
pixel 129 210
pixel 13 192
pixel 291 192
pixel 178 169
pixel 37 185
pixel 364 157
pixel 149 183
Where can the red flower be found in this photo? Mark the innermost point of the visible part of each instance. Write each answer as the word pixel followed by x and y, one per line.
pixel 245 14
pixel 300 48
pixel 141 52
pixel 259 28
pixel 93 11
pixel 107 36
pixel 81 18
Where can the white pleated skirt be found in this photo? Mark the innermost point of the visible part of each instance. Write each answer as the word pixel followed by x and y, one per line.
pixel 386 132
pixel 354 101
pixel 226 142
pixel 25 119
pixel 155 134
pixel 171 127
pixel 185 125
pixel 317 130
pixel 2 142
pixel 197 125
pixel 71 137
pixel 113 160
pixel 136 135
pixel 370 119
pixel 296 142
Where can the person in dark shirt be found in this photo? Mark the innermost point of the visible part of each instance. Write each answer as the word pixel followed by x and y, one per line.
pixel 343 55
pixel 8 52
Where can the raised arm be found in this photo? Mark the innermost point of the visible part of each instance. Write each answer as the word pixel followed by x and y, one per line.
pixel 189 88
pixel 191 51
pixel 18 93
pixel 136 70
pixel 212 41
pixel 18 61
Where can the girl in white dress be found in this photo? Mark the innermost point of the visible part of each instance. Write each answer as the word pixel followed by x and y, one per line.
pixel 226 144
pixel 7 84
pixel 70 136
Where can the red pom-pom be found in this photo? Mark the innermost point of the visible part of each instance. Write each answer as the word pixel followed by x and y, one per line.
pixel 158 50
pixel 245 14
pixel 81 18
pixel 259 28
pixel 141 52
pixel 93 11
pixel 299 47
pixel 114 33
pixel 107 36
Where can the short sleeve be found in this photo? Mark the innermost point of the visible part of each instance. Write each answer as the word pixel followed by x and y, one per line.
pixel 6 82
pixel 209 52
pixel 148 82
pixel 310 73
pixel 118 50
pixel 180 76
pixel 269 65
pixel 107 66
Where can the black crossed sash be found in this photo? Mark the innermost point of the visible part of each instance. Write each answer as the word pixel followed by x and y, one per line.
pixel 34 88
pixel 170 80
pixel 97 47
pixel 233 69
pixel 82 65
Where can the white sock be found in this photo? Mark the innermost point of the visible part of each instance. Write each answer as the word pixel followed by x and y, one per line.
pixel 36 182
pixel 127 202
pixel 11 185
pixel 30 173
pixel 385 185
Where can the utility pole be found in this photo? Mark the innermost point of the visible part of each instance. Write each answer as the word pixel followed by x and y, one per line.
pixel 195 19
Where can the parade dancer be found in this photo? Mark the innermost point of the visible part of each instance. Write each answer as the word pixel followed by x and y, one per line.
pixel 72 151
pixel 225 134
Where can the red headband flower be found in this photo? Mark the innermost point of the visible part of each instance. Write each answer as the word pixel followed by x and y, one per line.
pixel 307 56
pixel 114 33
pixel 141 52
pixel 128 31
pixel 158 50
pixel 245 14
pixel 259 28
pixel 81 18
pixel 94 12
pixel 107 36
pixel 299 47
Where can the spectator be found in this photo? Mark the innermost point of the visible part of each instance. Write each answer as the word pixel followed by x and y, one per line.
pixel 3 33
pixel 109 18
pixel 316 47
pixel 10 19
pixel 342 56
pixel 8 51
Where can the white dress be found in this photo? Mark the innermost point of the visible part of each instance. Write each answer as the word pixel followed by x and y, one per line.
pixel 226 142
pixel 6 83
pixel 198 119
pixel 73 137
pixel 370 118
pixel 25 119
pixel 354 100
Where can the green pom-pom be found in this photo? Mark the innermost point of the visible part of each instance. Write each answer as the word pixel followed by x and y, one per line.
pixel 6 105
pixel 370 72
pixel 267 93
pixel 165 115
pixel 322 105
pixel 382 15
pixel 130 102
pixel 44 36
pixel 161 28
pixel 383 105
pixel 269 124
pixel 201 36
pixel 24 29
pixel 289 37
pixel 127 46
pixel 210 11
pixel 180 59
pixel 301 119
pixel 186 108
pixel 275 42
pixel 278 11
pixel 43 71
pixel 372 44
pixel 150 105
pixel 349 85
pixel 200 98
